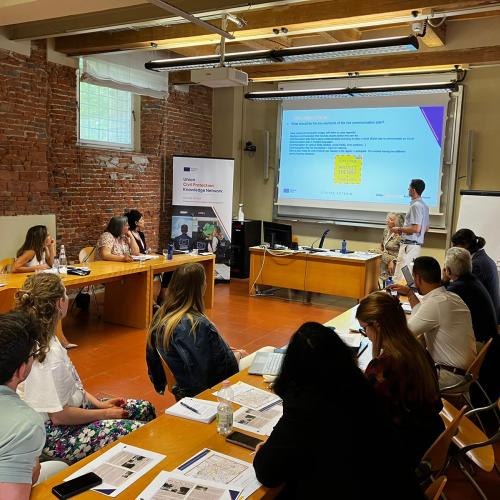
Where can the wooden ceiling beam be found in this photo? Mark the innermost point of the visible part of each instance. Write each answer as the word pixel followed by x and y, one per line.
pixel 119 18
pixel 383 64
pixel 310 17
pixel 435 37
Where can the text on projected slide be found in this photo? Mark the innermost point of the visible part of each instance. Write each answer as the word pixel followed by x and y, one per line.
pixel 363 155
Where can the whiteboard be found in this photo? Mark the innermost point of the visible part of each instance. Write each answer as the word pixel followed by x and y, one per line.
pixel 16 226
pixel 479 211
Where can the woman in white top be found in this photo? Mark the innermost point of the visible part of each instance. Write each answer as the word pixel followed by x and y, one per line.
pixel 76 422
pixel 37 253
pixel 117 243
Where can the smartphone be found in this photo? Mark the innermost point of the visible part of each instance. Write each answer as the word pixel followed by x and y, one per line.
pixel 408 278
pixel 78 485
pixel 243 440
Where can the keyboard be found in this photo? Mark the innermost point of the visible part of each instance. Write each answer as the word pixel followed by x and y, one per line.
pixel 273 364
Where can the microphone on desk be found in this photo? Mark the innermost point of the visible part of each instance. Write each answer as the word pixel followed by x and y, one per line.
pixel 322 240
pixel 323 236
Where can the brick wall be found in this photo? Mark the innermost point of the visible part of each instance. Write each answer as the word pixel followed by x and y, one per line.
pixel 42 170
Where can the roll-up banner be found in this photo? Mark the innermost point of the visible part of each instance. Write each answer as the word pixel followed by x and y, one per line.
pixel 202 199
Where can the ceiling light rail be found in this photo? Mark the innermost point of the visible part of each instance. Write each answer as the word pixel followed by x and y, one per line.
pixel 360 48
pixel 366 91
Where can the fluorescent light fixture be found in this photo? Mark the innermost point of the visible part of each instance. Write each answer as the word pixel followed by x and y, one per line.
pixel 291 54
pixel 367 91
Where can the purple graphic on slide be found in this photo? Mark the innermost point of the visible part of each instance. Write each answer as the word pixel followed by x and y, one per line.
pixel 434 117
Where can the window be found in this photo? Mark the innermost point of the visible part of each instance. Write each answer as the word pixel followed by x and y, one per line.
pixel 106 116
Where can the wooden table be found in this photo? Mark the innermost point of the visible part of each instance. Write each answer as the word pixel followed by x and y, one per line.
pixel 175 437
pixel 128 299
pixel 345 276
pixel 179 439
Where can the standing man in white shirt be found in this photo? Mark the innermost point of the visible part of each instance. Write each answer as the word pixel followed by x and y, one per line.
pixel 415 226
pixel 444 320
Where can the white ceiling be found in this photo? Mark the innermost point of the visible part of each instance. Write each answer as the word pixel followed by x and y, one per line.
pixel 21 11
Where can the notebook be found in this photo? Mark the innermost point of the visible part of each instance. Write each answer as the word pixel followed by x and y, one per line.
pixel 194 409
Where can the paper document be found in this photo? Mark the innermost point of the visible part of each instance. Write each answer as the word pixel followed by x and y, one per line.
pixel 143 257
pixel 219 468
pixel 260 422
pixel 119 467
pixel 406 307
pixel 173 485
pixel 351 339
pixel 252 397
pixel 207 410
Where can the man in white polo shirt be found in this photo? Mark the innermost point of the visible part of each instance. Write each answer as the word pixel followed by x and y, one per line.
pixel 443 319
pixel 415 226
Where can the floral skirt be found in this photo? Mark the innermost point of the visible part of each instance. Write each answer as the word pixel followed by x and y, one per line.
pixel 74 442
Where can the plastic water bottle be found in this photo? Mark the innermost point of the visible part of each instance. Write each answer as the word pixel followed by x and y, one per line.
pixel 225 409
pixel 63 263
pixel 344 247
pixel 241 215
pixel 170 254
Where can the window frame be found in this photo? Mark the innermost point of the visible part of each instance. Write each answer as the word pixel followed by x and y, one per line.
pixel 135 106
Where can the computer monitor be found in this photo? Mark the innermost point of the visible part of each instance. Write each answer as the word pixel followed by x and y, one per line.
pixel 280 234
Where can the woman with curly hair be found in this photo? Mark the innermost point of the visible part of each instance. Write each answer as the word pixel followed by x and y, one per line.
pixel 76 422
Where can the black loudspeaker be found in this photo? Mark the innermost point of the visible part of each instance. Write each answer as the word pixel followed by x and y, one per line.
pixel 243 236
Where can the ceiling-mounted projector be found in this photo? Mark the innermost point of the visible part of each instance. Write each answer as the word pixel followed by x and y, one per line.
pixel 219 77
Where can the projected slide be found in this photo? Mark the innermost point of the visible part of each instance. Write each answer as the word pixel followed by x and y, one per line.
pixel 362 157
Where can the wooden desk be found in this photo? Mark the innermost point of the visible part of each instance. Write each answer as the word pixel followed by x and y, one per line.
pixel 175 437
pixel 343 276
pixel 128 299
pixel 179 439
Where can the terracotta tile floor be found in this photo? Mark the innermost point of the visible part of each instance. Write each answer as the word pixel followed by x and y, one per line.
pixel 110 359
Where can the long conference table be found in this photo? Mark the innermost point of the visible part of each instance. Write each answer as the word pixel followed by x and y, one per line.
pixel 128 297
pixel 351 275
pixel 179 439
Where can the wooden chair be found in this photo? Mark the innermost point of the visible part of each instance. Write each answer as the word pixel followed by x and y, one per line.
pixel 86 254
pixel 470 377
pixel 435 489
pixel 171 382
pixel 436 457
pixel 6 265
pixel 472 443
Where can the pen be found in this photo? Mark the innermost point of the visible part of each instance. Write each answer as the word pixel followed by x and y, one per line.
pixel 362 350
pixel 189 407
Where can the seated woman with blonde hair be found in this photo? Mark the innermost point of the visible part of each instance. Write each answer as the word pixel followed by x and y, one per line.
pixel 187 340
pixel 389 247
pixel 402 373
pixel 76 422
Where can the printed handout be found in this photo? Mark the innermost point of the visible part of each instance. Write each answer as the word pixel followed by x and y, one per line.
pixel 260 422
pixel 252 397
pixel 173 486
pixel 119 467
pixel 210 465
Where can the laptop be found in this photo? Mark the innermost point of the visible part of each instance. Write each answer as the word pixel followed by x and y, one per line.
pixel 409 278
pixel 267 363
